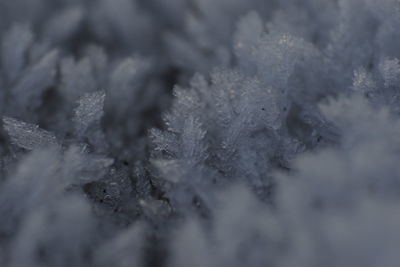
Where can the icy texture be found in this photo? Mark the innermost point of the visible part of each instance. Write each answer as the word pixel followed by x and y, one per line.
pixel 28 136
pixel 90 110
pixel 199 132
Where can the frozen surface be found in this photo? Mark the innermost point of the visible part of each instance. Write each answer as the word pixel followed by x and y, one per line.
pixel 205 133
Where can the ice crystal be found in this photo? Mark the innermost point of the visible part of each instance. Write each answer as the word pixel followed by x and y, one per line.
pixel 28 136
pixel 199 132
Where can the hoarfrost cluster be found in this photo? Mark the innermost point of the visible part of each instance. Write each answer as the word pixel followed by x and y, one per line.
pixel 205 133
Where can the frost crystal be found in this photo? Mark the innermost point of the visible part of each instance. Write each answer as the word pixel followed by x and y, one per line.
pixel 199 132
pixel 89 110
pixel 28 136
